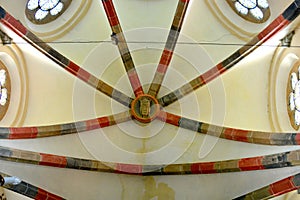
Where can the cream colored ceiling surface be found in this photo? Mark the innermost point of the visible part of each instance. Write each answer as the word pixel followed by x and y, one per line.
pixel 251 96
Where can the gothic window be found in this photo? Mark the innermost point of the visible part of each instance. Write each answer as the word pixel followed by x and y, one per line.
pixel 5 89
pixel 256 11
pixel 44 11
pixel 293 93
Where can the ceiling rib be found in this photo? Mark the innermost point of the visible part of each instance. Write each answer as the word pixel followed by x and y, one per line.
pixel 275 189
pixel 63 129
pixel 170 45
pixel 283 160
pixel 120 41
pixel 61 60
pixel 282 21
pixel 249 136
pixel 29 190
pixel 272 161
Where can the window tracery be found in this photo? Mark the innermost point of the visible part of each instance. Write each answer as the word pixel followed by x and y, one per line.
pixel 45 11
pixel 293 97
pixel 256 11
pixel 5 90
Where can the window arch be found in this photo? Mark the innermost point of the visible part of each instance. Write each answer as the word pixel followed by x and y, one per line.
pixel 5 89
pixel 45 11
pixel 256 11
pixel 293 98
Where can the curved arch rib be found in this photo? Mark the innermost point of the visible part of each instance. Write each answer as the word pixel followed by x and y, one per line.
pixel 63 129
pixel 279 160
pixel 167 54
pixel 255 137
pixel 31 191
pixel 277 25
pixel 61 60
pixel 275 189
pixel 120 41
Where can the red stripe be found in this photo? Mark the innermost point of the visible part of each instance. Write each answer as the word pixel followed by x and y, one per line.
pixel 135 83
pixel 248 164
pixel 110 12
pixel 83 75
pixel 221 68
pixel 139 91
pixel 92 124
pixel 164 61
pixel 53 160
pixel 104 121
pixel 161 68
pixel 281 187
pixel 73 68
pixel 15 24
pixel 235 134
pixel 78 72
pixel 97 123
pixel 297 139
pixel 211 74
pixel 23 132
pixel 227 133
pixel 42 195
pixel 131 169
pixel 273 28
pixel 203 168
pixel 170 118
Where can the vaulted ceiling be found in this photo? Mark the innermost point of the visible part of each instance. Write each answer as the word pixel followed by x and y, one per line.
pixel 234 80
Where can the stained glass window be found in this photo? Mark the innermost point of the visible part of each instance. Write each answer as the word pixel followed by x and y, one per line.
pixel 5 90
pixel 44 11
pixel 294 97
pixel 252 10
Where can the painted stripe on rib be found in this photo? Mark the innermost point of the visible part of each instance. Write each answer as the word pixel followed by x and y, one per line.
pixel 170 45
pixel 122 46
pixel 277 25
pixel 279 160
pixel 275 189
pixel 58 58
pixel 63 129
pixel 249 136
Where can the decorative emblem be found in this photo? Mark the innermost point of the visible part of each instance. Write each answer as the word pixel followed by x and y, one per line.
pixel 145 108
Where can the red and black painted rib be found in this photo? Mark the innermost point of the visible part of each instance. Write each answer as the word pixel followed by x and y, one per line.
pixel 63 129
pixel 291 13
pixel 279 160
pixel 249 136
pixel 167 54
pixel 31 191
pixel 65 63
pixel 120 41
pixel 275 189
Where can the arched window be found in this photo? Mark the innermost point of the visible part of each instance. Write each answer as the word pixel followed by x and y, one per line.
pixel 293 93
pixel 5 90
pixel 44 11
pixel 256 11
